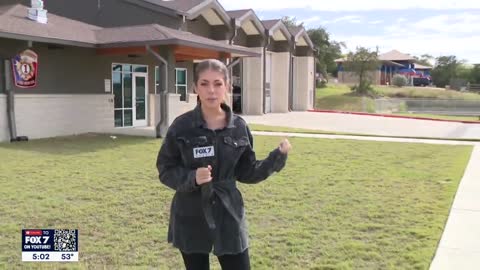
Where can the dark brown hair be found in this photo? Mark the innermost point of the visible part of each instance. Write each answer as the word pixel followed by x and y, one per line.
pixel 211 64
pixel 214 65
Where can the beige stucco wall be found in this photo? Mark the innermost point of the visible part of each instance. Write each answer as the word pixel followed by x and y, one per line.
pixel 350 78
pixel 177 107
pixel 41 116
pixel 154 111
pixel 303 88
pixel 280 81
pixel 252 96
pixel 4 132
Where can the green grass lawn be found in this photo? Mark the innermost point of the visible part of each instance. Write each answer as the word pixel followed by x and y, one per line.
pixel 339 204
pixel 424 92
pixel 339 97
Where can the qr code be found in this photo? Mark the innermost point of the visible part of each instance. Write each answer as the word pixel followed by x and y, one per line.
pixel 65 240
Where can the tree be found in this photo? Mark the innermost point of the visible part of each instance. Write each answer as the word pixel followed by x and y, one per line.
pixel 326 50
pixel 291 21
pixel 424 59
pixel 475 74
pixel 446 68
pixel 362 63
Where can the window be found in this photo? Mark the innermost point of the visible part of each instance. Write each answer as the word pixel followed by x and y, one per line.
pixel 181 83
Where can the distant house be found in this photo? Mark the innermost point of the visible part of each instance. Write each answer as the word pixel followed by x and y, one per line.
pixel 391 63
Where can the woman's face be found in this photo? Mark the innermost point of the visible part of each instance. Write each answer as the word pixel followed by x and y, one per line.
pixel 211 88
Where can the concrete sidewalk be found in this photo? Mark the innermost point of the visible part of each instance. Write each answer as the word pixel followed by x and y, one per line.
pixel 459 247
pixel 366 124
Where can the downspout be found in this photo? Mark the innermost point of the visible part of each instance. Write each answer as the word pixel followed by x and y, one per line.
pixel 315 79
pixel 230 66
pixel 163 94
pixel 234 32
pixel 292 79
pixel 231 63
pixel 267 43
pixel 182 25
pixel 10 101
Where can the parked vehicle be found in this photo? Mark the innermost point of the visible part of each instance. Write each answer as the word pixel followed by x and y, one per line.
pixel 421 81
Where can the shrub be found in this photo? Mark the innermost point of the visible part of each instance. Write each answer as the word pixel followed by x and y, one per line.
pixel 321 83
pixel 399 80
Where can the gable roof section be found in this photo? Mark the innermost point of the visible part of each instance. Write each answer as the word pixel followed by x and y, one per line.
pixel 246 18
pixel 191 9
pixel 181 6
pixel 298 32
pixel 395 55
pixel 59 30
pixel 272 26
pixel 237 14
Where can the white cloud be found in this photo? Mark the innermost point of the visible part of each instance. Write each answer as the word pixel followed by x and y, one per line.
pixel 349 5
pixel 376 22
pixel 449 25
pixel 310 20
pixel 346 19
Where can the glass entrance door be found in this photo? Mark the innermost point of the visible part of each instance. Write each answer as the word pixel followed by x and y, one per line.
pixel 130 88
pixel 139 99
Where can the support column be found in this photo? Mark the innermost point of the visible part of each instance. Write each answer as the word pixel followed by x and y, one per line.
pixel 252 83
pixel 280 81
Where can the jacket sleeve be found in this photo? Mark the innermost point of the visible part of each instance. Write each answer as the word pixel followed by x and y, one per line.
pixel 170 167
pixel 250 170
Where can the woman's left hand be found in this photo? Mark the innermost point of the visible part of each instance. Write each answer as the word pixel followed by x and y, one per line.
pixel 285 146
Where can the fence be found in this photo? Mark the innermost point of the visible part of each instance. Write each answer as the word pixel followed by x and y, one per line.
pixel 430 106
pixel 473 87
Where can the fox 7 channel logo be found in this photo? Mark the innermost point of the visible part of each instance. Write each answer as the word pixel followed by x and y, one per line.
pixel 37 240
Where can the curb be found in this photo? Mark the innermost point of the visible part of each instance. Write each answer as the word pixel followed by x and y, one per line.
pixel 395 116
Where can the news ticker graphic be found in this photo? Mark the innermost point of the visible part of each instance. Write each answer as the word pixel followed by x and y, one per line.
pixel 45 245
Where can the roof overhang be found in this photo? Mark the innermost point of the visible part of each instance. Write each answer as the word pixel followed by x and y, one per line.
pixel 212 11
pixel 279 32
pixel 250 24
pixel 391 63
pixel 46 40
pixel 226 49
pixel 156 8
pixel 302 39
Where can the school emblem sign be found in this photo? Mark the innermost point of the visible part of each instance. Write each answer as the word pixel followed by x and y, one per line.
pixel 25 68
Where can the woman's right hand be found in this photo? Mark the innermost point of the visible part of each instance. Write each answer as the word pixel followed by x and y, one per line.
pixel 203 175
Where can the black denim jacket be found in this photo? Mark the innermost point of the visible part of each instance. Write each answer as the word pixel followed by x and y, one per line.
pixel 211 214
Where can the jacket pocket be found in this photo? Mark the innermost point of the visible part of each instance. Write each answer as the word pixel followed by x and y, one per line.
pixel 196 151
pixel 236 142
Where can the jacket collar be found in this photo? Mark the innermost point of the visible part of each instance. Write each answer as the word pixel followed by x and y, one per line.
pixel 199 121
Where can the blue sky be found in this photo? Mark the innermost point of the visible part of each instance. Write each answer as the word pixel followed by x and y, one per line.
pixel 440 27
